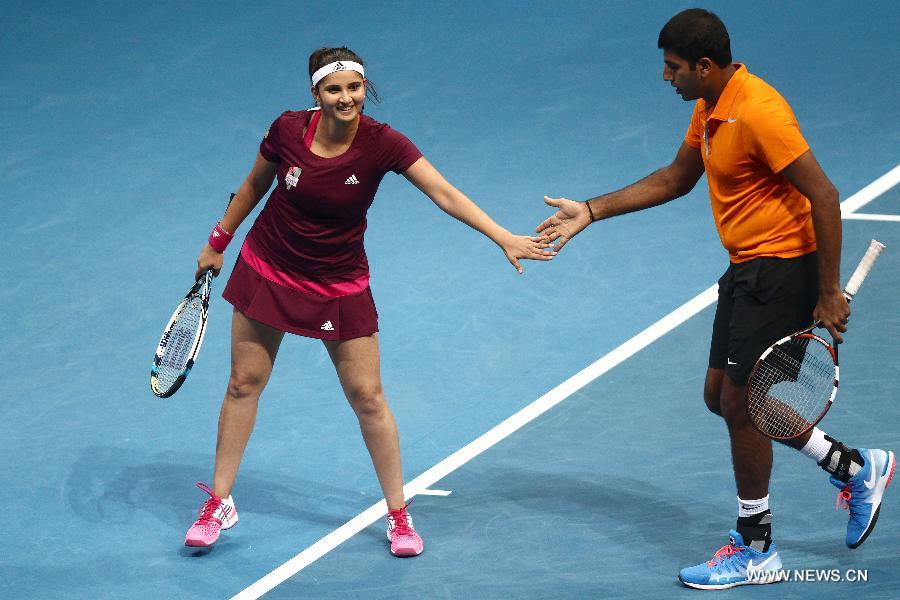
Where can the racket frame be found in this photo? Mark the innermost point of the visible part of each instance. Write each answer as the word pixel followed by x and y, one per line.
pixel 850 290
pixel 199 291
pixel 808 334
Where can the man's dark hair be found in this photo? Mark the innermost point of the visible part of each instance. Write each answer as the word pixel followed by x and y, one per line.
pixel 695 33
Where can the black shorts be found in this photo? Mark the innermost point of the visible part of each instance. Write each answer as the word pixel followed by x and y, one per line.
pixel 760 301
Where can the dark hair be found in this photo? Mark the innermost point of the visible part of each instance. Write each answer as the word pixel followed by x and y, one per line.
pixel 695 33
pixel 324 56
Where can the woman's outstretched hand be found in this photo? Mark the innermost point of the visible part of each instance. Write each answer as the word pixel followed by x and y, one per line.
pixel 525 247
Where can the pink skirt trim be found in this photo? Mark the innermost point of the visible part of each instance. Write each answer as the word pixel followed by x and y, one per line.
pixel 296 312
pixel 327 290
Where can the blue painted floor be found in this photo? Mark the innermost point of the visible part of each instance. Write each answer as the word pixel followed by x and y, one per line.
pixel 127 125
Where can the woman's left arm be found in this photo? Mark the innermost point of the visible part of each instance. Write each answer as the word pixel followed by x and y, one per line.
pixel 456 204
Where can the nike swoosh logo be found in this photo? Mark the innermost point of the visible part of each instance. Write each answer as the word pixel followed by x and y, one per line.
pixel 731 121
pixel 870 483
pixel 761 566
pixel 731 362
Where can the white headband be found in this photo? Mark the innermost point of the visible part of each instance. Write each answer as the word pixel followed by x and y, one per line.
pixel 341 65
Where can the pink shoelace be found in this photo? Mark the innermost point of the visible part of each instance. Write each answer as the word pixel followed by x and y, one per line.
pixel 209 507
pixel 843 498
pixel 401 524
pixel 723 553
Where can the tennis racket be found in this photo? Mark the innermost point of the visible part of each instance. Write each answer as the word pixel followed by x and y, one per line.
pixel 181 339
pixel 794 382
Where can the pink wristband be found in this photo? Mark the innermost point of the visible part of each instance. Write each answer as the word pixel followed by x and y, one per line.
pixel 219 239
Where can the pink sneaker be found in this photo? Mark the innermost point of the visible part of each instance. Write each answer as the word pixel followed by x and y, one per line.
pixel 215 514
pixel 402 535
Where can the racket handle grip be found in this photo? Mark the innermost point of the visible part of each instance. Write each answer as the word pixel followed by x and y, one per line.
pixel 862 270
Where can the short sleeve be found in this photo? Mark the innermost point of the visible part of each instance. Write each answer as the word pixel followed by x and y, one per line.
pixel 270 146
pixel 774 134
pixel 694 135
pixel 395 151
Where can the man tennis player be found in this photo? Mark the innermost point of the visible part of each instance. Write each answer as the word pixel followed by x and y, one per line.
pixel 778 216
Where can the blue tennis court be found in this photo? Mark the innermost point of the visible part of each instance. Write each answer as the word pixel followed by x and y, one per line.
pixel 552 425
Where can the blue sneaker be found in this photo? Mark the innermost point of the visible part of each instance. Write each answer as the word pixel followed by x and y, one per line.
pixel 862 494
pixel 734 564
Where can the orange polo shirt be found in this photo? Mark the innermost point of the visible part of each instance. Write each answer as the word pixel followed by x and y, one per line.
pixel 746 140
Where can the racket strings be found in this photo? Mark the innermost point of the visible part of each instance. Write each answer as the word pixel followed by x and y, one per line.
pixel 179 344
pixel 791 387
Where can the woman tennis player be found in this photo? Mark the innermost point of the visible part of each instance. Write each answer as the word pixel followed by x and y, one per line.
pixel 303 270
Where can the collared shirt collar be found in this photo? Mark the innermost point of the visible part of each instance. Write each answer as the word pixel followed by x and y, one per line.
pixel 722 109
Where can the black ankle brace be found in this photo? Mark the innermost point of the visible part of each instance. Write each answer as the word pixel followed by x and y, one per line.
pixel 841 460
pixel 756 530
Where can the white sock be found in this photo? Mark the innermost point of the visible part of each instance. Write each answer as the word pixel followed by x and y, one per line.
pixel 817 447
pixel 748 508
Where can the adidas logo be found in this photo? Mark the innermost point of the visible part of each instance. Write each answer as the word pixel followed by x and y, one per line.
pixel 352 180
pixel 327 326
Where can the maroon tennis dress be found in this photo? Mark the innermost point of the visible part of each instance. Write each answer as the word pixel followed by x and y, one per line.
pixel 303 268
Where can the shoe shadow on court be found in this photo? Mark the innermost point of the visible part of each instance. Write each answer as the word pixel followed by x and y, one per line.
pixel 607 511
pixel 114 486
pixel 620 507
pixel 614 512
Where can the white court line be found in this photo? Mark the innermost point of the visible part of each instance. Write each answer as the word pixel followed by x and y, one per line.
pixel 526 415
pixel 434 492
pixel 871 191
pixel 870 217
